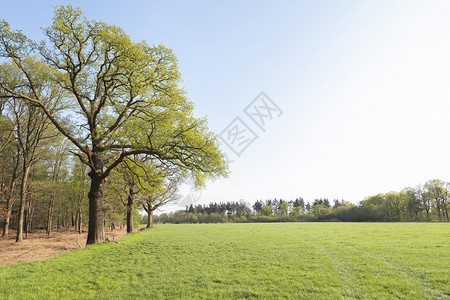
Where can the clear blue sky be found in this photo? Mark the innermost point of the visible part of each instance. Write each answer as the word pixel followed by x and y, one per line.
pixel 364 86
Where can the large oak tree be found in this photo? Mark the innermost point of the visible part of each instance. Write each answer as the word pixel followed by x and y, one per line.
pixel 122 99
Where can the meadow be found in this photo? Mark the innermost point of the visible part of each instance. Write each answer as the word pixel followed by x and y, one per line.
pixel 229 261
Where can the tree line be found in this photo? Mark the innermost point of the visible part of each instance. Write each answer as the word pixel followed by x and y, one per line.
pixel 425 202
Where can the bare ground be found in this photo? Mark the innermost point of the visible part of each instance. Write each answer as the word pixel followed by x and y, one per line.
pixel 39 246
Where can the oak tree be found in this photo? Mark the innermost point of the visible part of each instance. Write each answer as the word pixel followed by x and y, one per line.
pixel 123 98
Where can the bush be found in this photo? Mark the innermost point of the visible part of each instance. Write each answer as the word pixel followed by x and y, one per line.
pixel 261 219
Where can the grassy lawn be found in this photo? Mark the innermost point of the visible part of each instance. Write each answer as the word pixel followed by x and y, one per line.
pixel 282 260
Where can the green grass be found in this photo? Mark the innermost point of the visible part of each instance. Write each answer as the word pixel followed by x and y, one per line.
pixel 282 260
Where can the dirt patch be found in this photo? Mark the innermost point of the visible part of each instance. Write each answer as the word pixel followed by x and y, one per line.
pixel 39 246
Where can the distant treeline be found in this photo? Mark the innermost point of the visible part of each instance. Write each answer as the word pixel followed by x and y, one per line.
pixel 427 202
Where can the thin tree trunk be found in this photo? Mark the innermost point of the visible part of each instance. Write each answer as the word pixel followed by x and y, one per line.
pixel 31 215
pixel 23 190
pixel 51 203
pixel 444 207
pixel 59 221
pixel 6 222
pixel 68 218
pixel 10 199
pixel 25 220
pixel 9 202
pixel 75 223
pixel 80 222
pixel 49 217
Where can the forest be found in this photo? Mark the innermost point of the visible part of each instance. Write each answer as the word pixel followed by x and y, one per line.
pixel 425 202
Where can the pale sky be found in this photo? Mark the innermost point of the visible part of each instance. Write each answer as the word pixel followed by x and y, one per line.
pixel 364 86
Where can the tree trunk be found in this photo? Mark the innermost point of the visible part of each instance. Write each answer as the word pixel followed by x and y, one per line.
pixel 10 199
pixel 445 211
pixel 9 203
pixel 29 214
pixel 80 221
pixel 96 232
pixel 149 209
pixel 68 219
pixel 130 207
pixel 130 221
pixel 427 207
pixel 151 218
pixel 49 217
pixel 25 220
pixel 7 219
pixel 30 229
pixel 75 223
pixel 23 191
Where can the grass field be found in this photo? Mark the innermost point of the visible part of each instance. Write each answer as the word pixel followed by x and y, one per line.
pixel 282 260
